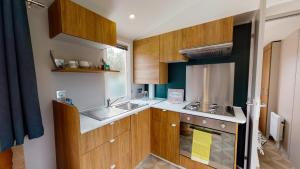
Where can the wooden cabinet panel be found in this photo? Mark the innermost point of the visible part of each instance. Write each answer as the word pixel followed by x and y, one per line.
pixel 265 83
pixel 72 19
pixel 122 126
pixel 190 164
pixel 165 134
pixel 115 152
pixel 124 151
pixel 215 32
pixel 98 158
pixel 156 130
pixel 170 44
pixel 140 136
pixel 147 69
pixel 6 159
pixel 67 135
pixel 94 138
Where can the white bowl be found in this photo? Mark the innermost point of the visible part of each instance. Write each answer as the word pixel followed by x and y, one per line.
pixel 84 64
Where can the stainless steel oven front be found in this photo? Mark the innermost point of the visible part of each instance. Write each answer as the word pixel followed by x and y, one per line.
pixel 222 151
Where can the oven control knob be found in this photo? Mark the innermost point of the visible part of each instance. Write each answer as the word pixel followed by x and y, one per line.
pixel 188 118
pixel 223 126
pixel 204 121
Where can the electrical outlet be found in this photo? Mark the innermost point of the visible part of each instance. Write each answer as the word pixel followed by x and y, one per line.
pixel 61 95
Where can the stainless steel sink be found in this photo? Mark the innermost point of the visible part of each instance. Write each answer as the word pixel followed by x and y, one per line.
pixel 129 106
pixel 103 113
pixel 109 112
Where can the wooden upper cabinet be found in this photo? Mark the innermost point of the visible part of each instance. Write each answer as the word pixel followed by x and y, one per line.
pixel 215 32
pixel 72 19
pixel 170 44
pixel 147 68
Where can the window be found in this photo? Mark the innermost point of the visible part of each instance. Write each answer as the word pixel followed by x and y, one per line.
pixel 116 83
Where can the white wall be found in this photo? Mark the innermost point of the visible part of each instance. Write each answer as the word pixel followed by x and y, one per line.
pixel 286 85
pixel 84 89
pixel 281 28
pixel 295 127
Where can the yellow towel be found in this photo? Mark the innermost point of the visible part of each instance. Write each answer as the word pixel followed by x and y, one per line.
pixel 201 146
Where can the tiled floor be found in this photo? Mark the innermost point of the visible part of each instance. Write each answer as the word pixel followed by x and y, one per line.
pixel 272 158
pixel 152 162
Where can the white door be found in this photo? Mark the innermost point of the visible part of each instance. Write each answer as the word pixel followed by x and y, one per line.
pixel 254 102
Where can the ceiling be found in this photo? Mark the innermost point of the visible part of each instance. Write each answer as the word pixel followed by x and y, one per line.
pixel 158 16
pixel 281 28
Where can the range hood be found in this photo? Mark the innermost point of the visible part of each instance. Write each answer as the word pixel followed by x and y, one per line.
pixel 217 50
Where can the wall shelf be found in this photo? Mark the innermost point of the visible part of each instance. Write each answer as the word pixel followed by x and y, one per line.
pixel 82 70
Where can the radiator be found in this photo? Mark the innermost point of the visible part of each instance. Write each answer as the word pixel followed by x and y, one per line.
pixel 276 127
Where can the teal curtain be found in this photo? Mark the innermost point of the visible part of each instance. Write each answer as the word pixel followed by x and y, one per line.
pixel 20 114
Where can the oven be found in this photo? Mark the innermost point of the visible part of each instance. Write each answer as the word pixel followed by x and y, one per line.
pixel 222 150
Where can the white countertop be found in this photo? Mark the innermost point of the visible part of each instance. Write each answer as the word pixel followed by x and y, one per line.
pixel 87 124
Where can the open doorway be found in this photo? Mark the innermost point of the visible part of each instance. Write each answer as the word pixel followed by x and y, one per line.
pixel 280 89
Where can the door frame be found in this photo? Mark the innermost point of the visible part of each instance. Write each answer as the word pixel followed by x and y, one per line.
pixel 254 89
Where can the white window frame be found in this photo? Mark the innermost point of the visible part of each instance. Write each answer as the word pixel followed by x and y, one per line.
pixel 128 69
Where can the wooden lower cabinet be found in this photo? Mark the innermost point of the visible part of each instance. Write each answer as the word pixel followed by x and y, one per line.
pixel 190 164
pixel 6 159
pixel 140 136
pixel 113 154
pixel 165 131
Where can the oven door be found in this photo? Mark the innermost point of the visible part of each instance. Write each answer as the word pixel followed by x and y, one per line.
pixel 222 147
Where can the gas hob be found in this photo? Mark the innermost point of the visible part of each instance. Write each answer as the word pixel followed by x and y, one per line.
pixel 210 108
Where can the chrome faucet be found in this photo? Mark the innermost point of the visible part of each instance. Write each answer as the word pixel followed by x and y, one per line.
pixel 109 102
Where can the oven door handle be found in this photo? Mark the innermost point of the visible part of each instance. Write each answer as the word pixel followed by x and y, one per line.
pixel 205 130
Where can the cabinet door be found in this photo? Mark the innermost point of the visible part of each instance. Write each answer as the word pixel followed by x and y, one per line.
pixel 140 136
pixel 165 134
pixel 72 19
pixel 98 158
pixel 147 69
pixel 170 136
pixel 124 151
pixel 215 32
pixel 170 44
pixel 156 129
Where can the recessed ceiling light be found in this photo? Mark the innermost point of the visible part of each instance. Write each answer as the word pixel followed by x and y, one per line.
pixel 131 16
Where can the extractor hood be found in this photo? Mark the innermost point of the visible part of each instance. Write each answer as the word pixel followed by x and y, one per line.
pixel 217 50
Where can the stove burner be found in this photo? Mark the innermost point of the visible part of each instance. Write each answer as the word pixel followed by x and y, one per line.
pixel 211 108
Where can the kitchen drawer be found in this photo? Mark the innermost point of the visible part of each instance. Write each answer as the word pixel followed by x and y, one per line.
pixel 96 137
pixel 121 126
pixel 114 153
pixel 226 126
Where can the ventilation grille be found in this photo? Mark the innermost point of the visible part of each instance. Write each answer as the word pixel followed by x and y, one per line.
pixel 208 51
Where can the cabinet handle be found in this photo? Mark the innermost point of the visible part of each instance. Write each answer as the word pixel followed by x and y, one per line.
pixel 164 110
pixel 204 121
pixel 112 140
pixel 173 125
pixel 113 166
pixel 223 126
